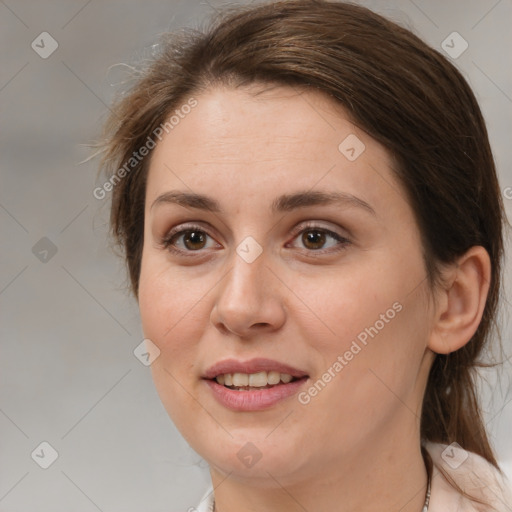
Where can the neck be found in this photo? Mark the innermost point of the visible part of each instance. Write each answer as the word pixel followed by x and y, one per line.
pixel 385 475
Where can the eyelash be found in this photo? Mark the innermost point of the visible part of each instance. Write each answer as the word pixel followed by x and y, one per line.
pixel 167 241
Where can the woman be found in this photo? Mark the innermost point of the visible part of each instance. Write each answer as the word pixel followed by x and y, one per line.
pixel 312 224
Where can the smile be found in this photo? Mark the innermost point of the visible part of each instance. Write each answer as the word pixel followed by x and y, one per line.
pixel 259 380
pixel 253 385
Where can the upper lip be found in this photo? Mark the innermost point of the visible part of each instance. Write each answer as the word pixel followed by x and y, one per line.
pixel 251 366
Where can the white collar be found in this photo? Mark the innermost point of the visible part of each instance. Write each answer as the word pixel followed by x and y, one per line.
pixel 473 474
pixel 206 503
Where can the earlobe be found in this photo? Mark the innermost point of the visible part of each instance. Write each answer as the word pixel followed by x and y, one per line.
pixel 461 304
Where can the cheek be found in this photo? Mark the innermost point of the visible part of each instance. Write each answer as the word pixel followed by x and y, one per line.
pixel 378 321
pixel 171 315
pixel 381 357
pixel 350 304
pixel 374 383
pixel 170 303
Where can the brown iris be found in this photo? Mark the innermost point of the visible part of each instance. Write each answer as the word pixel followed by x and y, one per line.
pixel 315 237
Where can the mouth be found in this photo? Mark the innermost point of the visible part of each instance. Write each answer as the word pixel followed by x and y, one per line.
pixel 254 381
pixel 253 385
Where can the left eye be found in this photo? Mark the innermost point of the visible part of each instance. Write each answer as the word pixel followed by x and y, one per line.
pixel 314 238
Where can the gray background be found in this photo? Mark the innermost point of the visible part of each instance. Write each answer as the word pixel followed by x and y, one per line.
pixel 68 328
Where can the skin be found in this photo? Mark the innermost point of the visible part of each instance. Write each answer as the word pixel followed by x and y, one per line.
pixel 356 445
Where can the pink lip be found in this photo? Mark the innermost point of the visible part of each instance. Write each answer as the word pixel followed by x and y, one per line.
pixel 253 400
pixel 252 366
pixel 258 399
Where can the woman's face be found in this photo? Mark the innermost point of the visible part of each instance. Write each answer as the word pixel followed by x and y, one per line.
pixel 265 277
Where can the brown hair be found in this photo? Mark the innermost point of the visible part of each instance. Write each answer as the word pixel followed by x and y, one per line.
pixel 400 91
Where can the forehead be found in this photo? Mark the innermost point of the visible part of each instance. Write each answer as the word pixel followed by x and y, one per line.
pixel 236 123
pixel 261 143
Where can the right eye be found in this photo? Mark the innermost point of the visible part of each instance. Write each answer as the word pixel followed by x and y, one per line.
pixel 186 239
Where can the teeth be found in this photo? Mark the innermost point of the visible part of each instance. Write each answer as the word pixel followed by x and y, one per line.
pixel 255 380
pixel 286 378
pixel 240 379
pixel 273 377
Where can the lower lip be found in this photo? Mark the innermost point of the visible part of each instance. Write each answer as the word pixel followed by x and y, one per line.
pixel 253 400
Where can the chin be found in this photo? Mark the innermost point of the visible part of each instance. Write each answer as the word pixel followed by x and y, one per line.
pixel 247 456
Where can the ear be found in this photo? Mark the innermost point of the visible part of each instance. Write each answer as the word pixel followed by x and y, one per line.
pixel 461 301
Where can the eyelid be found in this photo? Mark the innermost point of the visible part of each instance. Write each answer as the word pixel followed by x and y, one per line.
pixel 316 224
pixel 186 226
pixel 181 229
pixel 342 240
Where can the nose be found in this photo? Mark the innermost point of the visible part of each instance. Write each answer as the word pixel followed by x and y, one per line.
pixel 249 299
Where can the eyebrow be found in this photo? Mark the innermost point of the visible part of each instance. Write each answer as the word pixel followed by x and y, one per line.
pixel 283 203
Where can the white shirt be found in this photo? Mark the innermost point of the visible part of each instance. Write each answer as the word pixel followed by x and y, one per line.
pixel 469 471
